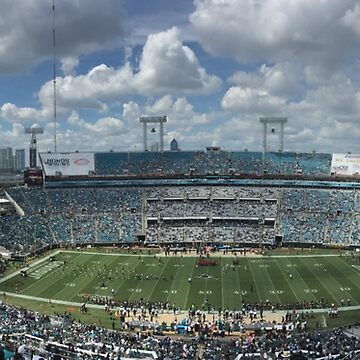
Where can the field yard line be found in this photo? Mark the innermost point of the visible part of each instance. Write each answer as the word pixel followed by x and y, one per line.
pixel 187 293
pixel 172 285
pixel 79 289
pixel 351 269
pixel 206 282
pixel 125 279
pixel 255 282
pixel 281 270
pixel 222 285
pixel 240 291
pixel 61 278
pixel 272 283
pixel 82 287
pixel 348 295
pixel 323 284
pixel 160 276
pixel 41 279
pixel 140 282
pixel 302 279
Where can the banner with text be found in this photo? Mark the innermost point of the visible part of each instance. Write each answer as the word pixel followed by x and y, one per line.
pixel 345 164
pixel 67 164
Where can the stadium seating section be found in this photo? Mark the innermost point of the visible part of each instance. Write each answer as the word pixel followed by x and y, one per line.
pixel 237 215
pixel 212 162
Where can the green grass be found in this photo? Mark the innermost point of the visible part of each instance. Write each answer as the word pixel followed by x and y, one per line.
pixel 255 279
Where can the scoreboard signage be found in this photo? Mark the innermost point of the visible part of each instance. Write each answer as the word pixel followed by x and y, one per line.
pixel 67 164
pixel 345 164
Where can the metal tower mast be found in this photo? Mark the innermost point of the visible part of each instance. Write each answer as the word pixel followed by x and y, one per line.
pixel 273 120
pixel 265 121
pixel 153 120
pixel 54 77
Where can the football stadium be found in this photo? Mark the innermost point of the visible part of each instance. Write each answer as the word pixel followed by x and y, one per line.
pixel 183 254
pixel 117 243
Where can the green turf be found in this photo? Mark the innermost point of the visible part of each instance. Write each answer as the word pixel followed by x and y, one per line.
pixel 255 279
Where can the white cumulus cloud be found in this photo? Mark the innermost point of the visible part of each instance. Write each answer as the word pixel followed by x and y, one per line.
pixel 26 30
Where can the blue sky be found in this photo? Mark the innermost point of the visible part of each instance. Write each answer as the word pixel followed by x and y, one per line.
pixel 212 66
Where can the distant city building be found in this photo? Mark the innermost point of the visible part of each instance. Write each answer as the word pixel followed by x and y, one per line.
pixel 19 160
pixel 174 146
pixel 6 158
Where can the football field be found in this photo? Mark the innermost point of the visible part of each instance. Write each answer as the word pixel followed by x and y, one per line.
pixel 227 283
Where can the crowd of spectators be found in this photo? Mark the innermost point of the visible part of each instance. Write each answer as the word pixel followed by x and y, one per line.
pixel 320 217
pixel 223 335
pixel 212 162
pixel 205 214
pixel 225 214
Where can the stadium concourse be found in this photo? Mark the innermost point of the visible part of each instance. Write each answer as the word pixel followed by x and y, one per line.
pixel 176 200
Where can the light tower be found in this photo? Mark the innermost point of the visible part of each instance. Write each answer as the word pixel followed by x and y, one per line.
pixel 153 120
pixel 54 76
pixel 33 145
pixel 273 120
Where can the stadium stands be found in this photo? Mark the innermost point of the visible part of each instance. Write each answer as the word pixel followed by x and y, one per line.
pixel 237 215
pixel 212 162
pixel 248 214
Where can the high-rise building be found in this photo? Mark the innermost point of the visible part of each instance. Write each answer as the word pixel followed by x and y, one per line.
pixel 174 146
pixel 19 160
pixel 6 158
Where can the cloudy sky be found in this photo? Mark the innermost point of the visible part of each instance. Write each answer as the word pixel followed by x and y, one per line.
pixel 212 66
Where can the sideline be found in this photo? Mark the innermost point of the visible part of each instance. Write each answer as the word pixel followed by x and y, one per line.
pixel 218 254
pixel 96 306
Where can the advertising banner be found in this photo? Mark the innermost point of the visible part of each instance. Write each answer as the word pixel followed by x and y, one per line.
pixel 67 164
pixel 345 164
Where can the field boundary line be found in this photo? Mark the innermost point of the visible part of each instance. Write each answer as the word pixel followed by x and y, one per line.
pixel 105 254
pixel 96 306
pixel 195 256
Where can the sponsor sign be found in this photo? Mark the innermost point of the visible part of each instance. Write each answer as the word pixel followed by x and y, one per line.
pixel 67 164
pixel 345 164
